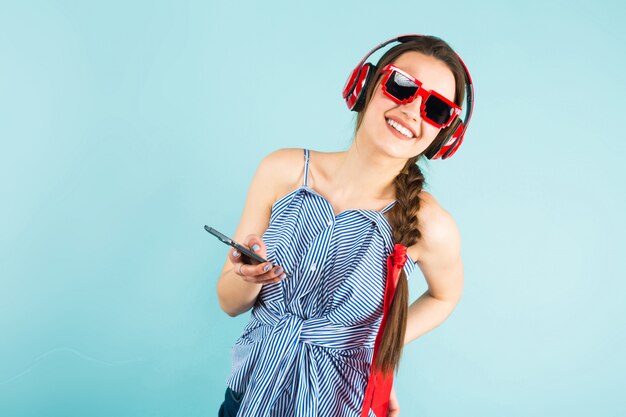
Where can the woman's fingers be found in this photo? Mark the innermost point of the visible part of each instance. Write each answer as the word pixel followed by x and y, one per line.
pixel 255 271
pixel 252 242
pixel 394 405
pixel 234 256
pixel 264 273
pixel 258 274
pixel 256 244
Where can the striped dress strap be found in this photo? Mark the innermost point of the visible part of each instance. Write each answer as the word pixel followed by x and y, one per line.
pixel 306 167
pixel 389 206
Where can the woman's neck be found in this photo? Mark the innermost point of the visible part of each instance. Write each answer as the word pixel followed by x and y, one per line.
pixel 362 171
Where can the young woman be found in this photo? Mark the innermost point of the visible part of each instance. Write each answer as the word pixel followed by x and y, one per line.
pixel 329 314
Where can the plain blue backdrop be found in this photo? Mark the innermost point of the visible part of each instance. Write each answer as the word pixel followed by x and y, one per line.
pixel 127 126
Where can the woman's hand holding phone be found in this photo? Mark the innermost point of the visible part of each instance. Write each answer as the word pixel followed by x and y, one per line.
pixel 263 273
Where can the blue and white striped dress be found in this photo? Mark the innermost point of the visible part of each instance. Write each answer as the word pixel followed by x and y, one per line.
pixel 308 347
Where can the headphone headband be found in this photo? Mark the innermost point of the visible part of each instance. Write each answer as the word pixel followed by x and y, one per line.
pixel 362 75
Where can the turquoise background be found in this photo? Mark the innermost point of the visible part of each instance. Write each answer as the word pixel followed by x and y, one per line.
pixel 127 126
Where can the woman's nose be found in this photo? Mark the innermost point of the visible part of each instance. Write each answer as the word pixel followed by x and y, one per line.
pixel 412 110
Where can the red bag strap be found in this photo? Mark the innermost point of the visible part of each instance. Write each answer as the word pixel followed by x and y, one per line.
pixel 379 383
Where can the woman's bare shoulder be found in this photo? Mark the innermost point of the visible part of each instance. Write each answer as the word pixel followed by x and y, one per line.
pixel 429 207
pixel 437 226
pixel 286 154
pixel 284 169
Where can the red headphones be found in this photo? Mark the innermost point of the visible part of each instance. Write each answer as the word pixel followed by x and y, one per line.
pixel 362 75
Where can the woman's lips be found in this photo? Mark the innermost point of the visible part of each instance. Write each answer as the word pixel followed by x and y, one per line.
pixel 396 133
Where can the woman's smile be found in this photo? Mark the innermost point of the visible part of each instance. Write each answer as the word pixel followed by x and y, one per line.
pixel 396 133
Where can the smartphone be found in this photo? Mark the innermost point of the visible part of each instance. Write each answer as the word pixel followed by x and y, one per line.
pixel 254 258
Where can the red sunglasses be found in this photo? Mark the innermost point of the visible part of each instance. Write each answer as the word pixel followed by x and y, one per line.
pixel 404 88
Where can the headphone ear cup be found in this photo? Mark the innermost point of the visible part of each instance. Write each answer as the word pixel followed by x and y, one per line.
pixel 448 143
pixel 348 88
pixel 360 90
pixel 455 146
pixel 457 140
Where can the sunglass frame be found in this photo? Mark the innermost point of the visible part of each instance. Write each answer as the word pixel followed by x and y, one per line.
pixel 422 92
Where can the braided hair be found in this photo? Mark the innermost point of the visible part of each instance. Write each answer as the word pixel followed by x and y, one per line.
pixel 408 184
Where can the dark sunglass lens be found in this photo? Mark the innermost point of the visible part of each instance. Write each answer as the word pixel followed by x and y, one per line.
pixel 437 110
pixel 400 87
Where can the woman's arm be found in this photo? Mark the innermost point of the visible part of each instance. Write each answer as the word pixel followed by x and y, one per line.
pixel 275 172
pixel 440 261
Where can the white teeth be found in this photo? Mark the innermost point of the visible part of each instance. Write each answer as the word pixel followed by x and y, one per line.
pixel 406 132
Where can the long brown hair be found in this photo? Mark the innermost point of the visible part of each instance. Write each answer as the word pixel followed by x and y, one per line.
pixel 408 185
